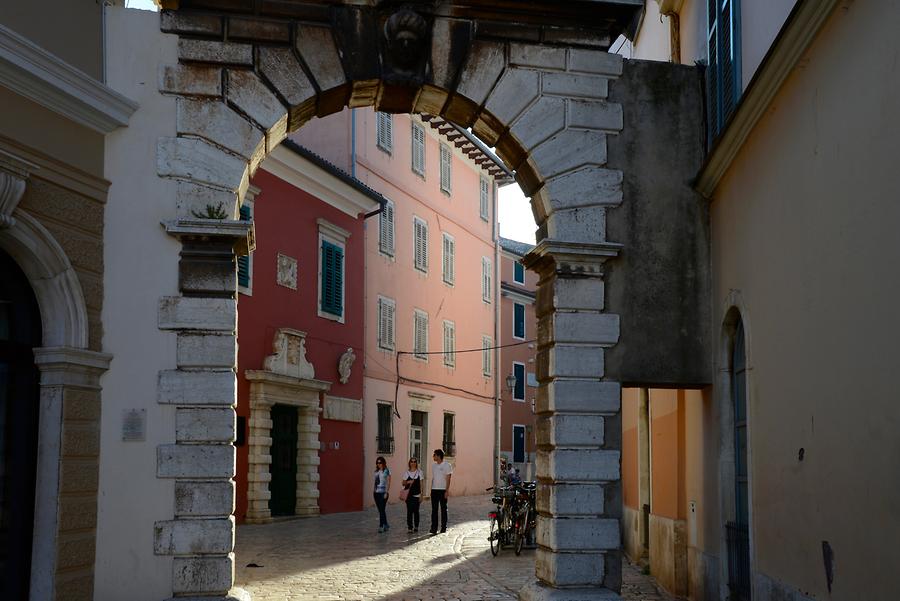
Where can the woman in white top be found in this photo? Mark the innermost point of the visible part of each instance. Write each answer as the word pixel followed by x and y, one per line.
pixel 382 489
pixel 412 482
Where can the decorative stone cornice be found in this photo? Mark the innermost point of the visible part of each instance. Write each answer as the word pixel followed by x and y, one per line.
pixel 63 365
pixel 13 174
pixel 32 72
pixel 571 258
pixel 242 232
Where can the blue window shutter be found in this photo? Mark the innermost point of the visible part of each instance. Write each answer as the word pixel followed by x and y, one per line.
pixel 519 320
pixel 332 278
pixel 519 372
pixel 518 273
pixel 243 263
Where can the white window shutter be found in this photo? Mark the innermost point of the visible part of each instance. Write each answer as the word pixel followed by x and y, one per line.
pixel 386 233
pixel 486 279
pixel 452 260
pixel 484 198
pixel 420 231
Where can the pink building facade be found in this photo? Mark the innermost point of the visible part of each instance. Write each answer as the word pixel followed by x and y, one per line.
pixel 518 335
pixel 431 290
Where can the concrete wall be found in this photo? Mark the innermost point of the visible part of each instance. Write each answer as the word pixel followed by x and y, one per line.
pixel 659 285
pixel 804 242
pixel 140 266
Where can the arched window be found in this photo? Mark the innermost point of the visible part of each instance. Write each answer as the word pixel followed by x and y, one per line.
pixel 738 531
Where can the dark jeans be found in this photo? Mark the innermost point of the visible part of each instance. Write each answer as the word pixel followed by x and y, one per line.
pixel 380 503
pixel 438 497
pixel 412 511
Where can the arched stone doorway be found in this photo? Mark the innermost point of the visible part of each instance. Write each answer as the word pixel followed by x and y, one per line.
pixel 242 83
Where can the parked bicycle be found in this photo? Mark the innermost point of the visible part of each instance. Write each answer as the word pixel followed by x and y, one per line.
pixel 513 521
pixel 525 516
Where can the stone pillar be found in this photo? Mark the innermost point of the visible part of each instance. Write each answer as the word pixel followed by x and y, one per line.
pixel 579 498
pixel 260 462
pixel 308 429
pixel 203 392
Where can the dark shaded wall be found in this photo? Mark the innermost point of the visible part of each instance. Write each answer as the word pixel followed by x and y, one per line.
pixel 660 283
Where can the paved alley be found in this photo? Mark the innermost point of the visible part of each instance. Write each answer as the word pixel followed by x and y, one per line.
pixel 341 557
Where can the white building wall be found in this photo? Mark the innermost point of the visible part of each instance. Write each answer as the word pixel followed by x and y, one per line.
pixel 140 266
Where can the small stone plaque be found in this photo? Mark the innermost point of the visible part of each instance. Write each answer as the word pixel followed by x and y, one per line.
pixel 286 275
pixel 134 425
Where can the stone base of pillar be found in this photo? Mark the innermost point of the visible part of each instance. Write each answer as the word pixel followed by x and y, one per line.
pixel 235 594
pixel 537 591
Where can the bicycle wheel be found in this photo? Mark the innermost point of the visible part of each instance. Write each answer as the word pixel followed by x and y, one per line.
pixel 522 530
pixel 494 537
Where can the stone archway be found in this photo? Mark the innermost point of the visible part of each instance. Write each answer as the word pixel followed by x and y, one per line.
pixel 241 84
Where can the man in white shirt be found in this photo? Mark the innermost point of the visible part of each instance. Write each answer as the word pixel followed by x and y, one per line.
pixel 441 471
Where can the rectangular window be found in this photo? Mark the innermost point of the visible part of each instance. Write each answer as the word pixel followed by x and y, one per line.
pixel 245 263
pixel 519 373
pixel 386 309
pixel 446 164
pixel 386 229
pixel 420 239
pixel 385 437
pixel 420 335
pixel 486 350
pixel 449 262
pixel 519 321
pixel 332 289
pixel 418 149
pixel 384 131
pixel 486 279
pixel 484 203
pixel 449 441
pixel 518 273
pixel 723 76
pixel 449 344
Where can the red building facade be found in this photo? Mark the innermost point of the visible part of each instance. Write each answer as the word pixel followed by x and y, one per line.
pixel 300 330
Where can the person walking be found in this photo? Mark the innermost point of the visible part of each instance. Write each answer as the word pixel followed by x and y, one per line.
pixel 412 482
pixel 382 488
pixel 440 489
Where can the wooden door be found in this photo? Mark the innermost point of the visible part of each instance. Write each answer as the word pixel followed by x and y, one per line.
pixel 284 461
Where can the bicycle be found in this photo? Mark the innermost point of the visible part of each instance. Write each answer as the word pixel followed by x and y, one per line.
pixel 502 526
pixel 525 515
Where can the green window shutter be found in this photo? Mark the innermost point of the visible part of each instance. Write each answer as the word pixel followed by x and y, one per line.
pixel 332 278
pixel 243 263
pixel 519 320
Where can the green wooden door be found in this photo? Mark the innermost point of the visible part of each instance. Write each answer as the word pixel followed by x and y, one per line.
pixel 284 461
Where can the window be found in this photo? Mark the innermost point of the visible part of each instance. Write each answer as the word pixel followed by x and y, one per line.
pixel 420 240
pixel 384 131
pixel 449 441
pixel 332 283
pixel 245 263
pixel 420 335
pixel 386 309
pixel 449 267
pixel 449 344
pixel 446 163
pixel 518 273
pixel 484 198
pixel 519 373
pixel 519 321
pixel 485 279
pixel 418 149
pixel 486 344
pixel 386 229
pixel 385 437
pixel 723 76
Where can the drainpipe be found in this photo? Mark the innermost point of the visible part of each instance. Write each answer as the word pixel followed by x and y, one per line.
pixel 353 142
pixel 495 234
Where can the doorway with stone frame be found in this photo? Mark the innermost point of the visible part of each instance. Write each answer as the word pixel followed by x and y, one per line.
pixel 541 94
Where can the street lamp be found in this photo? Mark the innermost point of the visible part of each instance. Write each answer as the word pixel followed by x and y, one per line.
pixel 510 382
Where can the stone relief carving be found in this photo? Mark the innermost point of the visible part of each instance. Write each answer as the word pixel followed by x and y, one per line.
pixel 13 174
pixel 288 356
pixel 287 272
pixel 407 45
pixel 345 364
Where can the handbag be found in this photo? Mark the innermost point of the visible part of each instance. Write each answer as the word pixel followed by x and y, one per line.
pixel 404 494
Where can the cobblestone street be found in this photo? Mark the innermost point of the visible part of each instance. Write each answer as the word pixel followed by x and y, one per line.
pixel 341 557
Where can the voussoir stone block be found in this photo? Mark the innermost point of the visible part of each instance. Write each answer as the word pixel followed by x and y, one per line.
pixel 575 85
pixel 189 80
pixel 569 430
pixel 215 121
pixel 516 90
pixel 251 95
pixel 484 65
pixel 195 461
pixel 204 424
pixel 571 499
pixel 193 313
pixel 283 70
pixel 316 46
pixel 214 51
pixel 193 536
pixel 201 162
pixel 202 498
pixel 208 575
pixel 605 116
pixel 595 61
pixel 589 185
pixel 578 534
pixel 180 387
pixel 578 465
pixel 584 396
pixel 542 120
pixel 570 569
pixel 568 150
pixel 536 56
pixel 570 361
pixel 206 350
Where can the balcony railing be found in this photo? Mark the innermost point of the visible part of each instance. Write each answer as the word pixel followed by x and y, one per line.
pixel 738 538
pixel 385 444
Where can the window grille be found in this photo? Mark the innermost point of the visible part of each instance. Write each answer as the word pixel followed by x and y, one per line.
pixel 385 438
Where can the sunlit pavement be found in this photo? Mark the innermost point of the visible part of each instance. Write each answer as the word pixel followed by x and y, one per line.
pixel 342 557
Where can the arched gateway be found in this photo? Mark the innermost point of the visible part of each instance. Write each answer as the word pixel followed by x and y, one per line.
pixel 533 82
